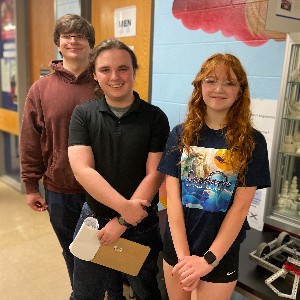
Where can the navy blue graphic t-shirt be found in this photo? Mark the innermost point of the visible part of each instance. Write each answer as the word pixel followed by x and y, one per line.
pixel 208 182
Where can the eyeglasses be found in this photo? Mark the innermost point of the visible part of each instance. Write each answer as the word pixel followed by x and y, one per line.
pixel 213 82
pixel 78 37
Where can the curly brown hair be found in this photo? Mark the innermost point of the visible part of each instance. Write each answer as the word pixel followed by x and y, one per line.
pixel 239 130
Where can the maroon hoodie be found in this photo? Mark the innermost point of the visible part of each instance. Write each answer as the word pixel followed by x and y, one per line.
pixel 45 129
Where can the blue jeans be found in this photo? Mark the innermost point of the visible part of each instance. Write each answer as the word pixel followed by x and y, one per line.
pixel 91 279
pixel 64 211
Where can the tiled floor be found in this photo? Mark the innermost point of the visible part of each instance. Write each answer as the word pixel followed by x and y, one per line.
pixel 31 264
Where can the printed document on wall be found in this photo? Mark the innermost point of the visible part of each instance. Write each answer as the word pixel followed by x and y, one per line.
pixel 264 113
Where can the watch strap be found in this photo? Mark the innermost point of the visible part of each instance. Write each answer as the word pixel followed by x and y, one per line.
pixel 123 222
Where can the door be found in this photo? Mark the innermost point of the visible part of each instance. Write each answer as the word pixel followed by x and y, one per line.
pixel 102 18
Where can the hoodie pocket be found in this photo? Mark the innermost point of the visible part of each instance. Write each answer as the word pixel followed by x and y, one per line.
pixel 60 171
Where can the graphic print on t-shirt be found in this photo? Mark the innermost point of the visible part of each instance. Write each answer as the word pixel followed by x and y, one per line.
pixel 207 179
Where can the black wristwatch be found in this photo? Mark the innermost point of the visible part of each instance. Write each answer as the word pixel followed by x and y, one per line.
pixel 210 258
pixel 123 222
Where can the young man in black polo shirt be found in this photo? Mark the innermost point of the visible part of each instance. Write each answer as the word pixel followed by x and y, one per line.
pixel 115 145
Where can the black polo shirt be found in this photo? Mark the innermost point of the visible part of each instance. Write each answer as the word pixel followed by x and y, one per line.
pixel 120 145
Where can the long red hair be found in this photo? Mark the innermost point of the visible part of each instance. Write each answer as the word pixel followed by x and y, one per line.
pixel 239 130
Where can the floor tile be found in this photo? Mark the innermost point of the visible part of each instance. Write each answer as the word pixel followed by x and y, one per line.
pixel 31 264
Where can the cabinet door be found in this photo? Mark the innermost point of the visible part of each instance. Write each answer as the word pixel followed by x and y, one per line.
pixel 287 183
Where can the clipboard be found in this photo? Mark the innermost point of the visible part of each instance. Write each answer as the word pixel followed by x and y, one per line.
pixel 124 255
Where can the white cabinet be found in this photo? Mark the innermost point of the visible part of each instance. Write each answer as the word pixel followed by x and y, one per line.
pixel 283 198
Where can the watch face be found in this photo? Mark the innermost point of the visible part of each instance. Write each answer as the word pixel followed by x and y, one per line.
pixel 209 257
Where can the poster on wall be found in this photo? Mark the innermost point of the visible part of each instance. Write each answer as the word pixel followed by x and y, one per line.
pixel 264 113
pixel 283 15
pixel 64 7
pixel 9 85
pixel 125 21
pixel 8 55
pixel 8 82
pixel 8 26
pixel 288 9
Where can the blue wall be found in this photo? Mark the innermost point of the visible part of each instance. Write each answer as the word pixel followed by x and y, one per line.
pixel 178 53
